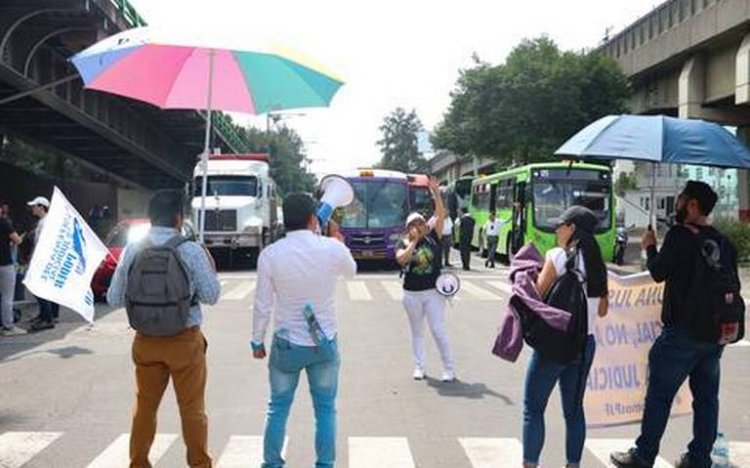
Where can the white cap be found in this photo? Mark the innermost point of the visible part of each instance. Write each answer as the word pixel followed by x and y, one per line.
pixel 413 217
pixel 39 201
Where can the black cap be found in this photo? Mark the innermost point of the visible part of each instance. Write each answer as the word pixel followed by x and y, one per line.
pixel 582 217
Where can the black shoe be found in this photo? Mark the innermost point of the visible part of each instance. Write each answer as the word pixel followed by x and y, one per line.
pixel 41 325
pixel 686 462
pixel 629 459
pixel 448 265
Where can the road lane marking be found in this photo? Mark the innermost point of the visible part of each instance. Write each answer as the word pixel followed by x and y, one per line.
pixel 479 293
pixel 118 452
pixel 485 452
pixel 358 291
pixel 239 292
pixel 601 448
pixel 243 451
pixel 741 344
pixel 17 448
pixel 502 286
pixel 380 452
pixel 394 289
pixel 739 453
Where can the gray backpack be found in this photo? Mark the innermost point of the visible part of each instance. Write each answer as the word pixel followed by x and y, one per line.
pixel 157 296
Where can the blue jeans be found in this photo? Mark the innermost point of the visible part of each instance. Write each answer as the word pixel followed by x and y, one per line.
pixel 674 357
pixel 322 376
pixel 541 377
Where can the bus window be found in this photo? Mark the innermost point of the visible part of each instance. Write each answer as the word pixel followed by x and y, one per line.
pixel 555 191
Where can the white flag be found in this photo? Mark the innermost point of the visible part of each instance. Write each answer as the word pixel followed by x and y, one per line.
pixel 66 256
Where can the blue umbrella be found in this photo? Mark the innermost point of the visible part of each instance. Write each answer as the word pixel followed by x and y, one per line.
pixel 658 139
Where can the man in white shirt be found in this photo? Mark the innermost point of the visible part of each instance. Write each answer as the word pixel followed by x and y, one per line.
pixel 299 274
pixel 49 311
pixel 492 231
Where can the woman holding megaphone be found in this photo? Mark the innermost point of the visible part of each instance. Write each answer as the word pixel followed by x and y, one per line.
pixel 419 256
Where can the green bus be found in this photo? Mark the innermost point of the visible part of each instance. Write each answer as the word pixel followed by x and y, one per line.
pixel 527 200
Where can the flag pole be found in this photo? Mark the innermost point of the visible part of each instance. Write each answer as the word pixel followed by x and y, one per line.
pixel 206 149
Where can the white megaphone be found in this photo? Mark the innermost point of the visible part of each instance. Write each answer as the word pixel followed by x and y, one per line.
pixel 337 192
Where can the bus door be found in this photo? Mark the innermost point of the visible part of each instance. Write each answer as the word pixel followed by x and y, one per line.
pixel 519 216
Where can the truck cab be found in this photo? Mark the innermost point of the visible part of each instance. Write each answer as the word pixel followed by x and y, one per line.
pixel 240 201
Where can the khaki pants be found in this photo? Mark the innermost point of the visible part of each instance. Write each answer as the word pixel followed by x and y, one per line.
pixel 182 357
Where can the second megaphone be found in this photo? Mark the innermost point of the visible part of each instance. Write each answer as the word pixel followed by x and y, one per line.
pixel 337 192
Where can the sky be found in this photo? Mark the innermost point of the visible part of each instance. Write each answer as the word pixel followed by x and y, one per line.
pixel 390 53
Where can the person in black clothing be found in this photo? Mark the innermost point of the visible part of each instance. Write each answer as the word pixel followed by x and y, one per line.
pixel 8 237
pixel 465 234
pixel 419 256
pixel 676 354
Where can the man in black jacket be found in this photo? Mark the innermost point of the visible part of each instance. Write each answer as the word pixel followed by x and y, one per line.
pixel 676 354
pixel 465 234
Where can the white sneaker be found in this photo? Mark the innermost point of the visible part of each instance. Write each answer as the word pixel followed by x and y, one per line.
pixel 448 376
pixel 418 374
pixel 13 331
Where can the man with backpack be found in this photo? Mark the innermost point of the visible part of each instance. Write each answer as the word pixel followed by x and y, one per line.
pixel 161 282
pixel 701 311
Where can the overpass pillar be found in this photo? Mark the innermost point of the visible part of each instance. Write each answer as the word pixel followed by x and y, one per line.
pixel 743 180
pixel 691 88
pixel 742 72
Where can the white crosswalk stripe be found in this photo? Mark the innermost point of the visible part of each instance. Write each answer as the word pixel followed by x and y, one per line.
pixel 243 451
pixel 17 448
pixel 501 285
pixel 394 289
pixel 117 454
pixel 739 453
pixel 239 292
pixel 479 292
pixel 741 344
pixel 380 452
pixel 601 448
pixel 358 291
pixel 484 452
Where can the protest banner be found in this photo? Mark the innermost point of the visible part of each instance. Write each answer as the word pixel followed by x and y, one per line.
pixel 616 386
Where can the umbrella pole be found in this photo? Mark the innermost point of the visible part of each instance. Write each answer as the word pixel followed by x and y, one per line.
pixel 652 216
pixel 206 149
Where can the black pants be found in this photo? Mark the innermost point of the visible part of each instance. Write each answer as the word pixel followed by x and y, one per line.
pixel 48 311
pixel 447 244
pixel 465 255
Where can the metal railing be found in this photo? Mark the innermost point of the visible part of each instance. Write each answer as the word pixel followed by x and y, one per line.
pixel 129 13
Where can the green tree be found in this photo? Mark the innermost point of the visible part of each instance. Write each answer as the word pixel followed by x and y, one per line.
pixel 624 183
pixel 287 158
pixel 398 144
pixel 522 110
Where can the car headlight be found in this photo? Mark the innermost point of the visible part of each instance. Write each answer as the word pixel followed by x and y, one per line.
pixel 252 229
pixel 395 236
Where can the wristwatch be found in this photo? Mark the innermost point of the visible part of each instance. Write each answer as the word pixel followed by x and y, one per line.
pixel 257 346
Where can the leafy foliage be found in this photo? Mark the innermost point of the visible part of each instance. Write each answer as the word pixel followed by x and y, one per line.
pixel 522 110
pixel 287 158
pixel 399 142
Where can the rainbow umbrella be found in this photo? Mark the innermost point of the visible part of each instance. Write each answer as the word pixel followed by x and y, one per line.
pixel 174 71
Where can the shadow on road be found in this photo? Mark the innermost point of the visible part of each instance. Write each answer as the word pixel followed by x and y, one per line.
pixel 462 389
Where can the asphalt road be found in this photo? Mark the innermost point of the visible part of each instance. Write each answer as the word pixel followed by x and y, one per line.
pixel 66 394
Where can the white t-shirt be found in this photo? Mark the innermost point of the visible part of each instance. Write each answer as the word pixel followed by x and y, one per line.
pixel 447 226
pixel 492 228
pixel 558 257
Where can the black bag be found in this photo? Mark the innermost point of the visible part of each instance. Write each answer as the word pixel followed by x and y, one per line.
pixel 567 293
pixel 717 310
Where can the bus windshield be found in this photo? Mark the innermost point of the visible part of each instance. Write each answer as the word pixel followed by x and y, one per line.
pixel 420 200
pixel 244 186
pixel 556 190
pixel 377 204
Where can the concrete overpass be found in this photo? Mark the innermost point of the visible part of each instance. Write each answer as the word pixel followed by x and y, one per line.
pixel 133 143
pixel 691 58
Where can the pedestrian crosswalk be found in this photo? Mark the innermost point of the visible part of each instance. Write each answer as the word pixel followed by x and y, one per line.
pixel 237 289
pixel 19 448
